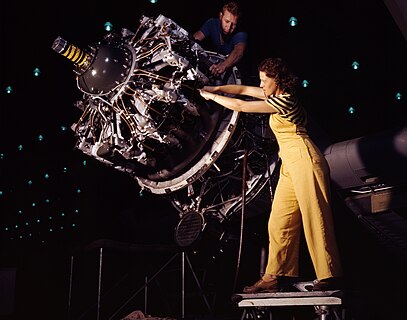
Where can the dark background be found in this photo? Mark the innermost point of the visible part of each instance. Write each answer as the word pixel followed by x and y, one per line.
pixel 82 200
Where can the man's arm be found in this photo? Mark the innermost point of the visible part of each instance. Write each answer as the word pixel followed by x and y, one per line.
pixel 199 35
pixel 233 58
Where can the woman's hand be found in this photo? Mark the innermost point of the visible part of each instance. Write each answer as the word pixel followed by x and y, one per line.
pixel 205 94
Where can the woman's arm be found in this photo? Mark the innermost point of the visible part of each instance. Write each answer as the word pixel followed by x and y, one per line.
pixel 255 106
pixel 237 89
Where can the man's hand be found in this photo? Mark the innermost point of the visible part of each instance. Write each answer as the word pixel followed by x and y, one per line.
pixel 217 69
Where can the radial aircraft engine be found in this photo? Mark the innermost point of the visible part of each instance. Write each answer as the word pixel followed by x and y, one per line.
pixel 142 114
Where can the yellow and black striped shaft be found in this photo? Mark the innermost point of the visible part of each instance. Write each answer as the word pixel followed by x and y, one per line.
pixel 73 53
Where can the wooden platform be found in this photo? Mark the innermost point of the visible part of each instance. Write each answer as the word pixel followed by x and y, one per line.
pixel 327 304
pixel 327 298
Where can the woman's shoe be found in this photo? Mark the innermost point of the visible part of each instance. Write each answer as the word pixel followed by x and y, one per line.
pixel 328 284
pixel 262 286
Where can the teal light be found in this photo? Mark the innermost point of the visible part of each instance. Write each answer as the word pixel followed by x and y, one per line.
pixel 2 156
pixel 20 147
pixel 153 1
pixel 293 21
pixel 64 128
pixel 33 204
pixel 36 72
pixel 355 65
pixel 46 176
pixel 108 26
pixel 65 169
pixel 1 193
pixel 305 83
pixel 351 110
pixel 9 90
pixel 30 182
pixel 40 137
pixel 84 162
pixel 399 96
pixel 78 190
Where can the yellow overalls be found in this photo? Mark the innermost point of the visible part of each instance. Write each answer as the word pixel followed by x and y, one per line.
pixel 301 199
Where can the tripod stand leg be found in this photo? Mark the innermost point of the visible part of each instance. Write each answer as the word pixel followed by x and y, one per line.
pixel 198 284
pixel 99 282
pixel 183 285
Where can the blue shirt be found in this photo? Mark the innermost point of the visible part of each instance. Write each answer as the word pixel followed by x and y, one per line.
pixel 212 30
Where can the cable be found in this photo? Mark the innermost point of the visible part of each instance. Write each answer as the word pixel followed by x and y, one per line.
pixel 242 218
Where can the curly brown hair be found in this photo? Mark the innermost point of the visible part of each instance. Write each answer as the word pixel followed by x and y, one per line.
pixel 276 68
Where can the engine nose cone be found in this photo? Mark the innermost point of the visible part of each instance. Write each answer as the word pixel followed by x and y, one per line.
pixel 109 68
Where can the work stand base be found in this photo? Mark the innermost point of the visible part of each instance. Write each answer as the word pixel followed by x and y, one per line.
pixel 326 305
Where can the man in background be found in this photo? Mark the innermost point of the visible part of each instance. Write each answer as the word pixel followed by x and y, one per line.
pixel 225 37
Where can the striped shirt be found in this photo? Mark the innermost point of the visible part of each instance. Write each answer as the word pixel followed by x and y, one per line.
pixel 289 108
